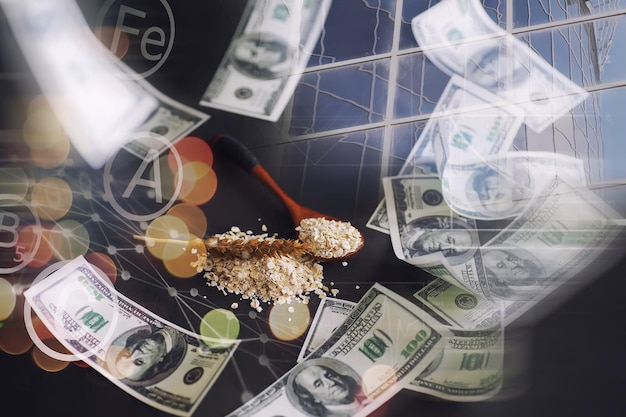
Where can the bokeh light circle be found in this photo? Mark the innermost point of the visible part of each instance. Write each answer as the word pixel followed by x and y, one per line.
pixel 193 216
pixel 7 299
pixel 180 266
pixel 14 337
pixel 289 321
pixel 190 149
pixel 375 374
pixel 219 328
pixel 48 142
pixel 105 263
pixel 14 181
pixel 69 239
pixel 55 155
pixel 41 129
pixel 43 333
pixel 35 241
pixel 38 102
pixel 199 183
pixel 167 237
pixel 51 198
pixel 46 362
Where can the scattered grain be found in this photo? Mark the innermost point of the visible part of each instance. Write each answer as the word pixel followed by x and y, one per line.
pixel 279 277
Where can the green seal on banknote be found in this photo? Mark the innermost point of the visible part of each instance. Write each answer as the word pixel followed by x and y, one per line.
pixel 466 301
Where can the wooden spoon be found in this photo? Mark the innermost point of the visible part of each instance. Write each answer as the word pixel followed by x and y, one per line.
pixel 241 155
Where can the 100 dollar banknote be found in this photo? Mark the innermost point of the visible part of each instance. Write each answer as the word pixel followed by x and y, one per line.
pixel 263 63
pixel 564 230
pixel 330 314
pixel 475 123
pixel 155 361
pixel 429 236
pixel 501 186
pixel 171 121
pixel 469 368
pixel 459 37
pixel 383 344
pixel 467 122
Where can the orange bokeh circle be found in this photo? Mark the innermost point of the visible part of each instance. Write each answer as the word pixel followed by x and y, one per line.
pixel 180 266
pixel 51 198
pixel 190 149
pixel 199 183
pixel 105 263
pixel 27 239
pixel 192 215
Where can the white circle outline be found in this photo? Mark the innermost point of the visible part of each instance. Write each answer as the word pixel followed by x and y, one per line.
pixel 179 183
pixel 100 18
pixel 28 318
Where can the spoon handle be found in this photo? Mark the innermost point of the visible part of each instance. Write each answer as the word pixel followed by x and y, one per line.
pixel 235 150
pixel 243 157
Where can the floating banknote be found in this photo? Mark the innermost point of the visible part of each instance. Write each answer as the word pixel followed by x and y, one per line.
pixel 330 314
pixel 458 307
pixel 88 88
pixel 416 196
pixel 438 241
pixel 459 37
pixel 499 187
pixel 419 236
pixel 153 360
pixel 172 120
pixel 561 232
pixel 472 125
pixel 263 63
pixel 466 123
pixel 379 220
pixel 470 366
pixel 382 345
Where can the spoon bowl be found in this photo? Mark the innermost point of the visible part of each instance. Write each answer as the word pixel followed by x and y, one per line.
pixel 243 157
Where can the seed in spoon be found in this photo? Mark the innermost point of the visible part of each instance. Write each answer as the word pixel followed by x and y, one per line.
pixel 329 238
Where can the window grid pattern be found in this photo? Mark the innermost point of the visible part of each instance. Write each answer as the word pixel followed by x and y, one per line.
pixel 392 87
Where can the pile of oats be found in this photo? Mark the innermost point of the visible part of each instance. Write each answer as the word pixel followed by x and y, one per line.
pixel 270 278
pixel 329 238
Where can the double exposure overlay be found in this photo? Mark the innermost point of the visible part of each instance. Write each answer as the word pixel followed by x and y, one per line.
pixel 309 207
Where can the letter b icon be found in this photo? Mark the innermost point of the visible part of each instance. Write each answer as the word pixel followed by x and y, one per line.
pixel 8 229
